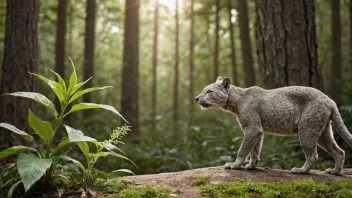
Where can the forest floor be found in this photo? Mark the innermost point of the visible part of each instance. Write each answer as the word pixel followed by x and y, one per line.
pixel 181 182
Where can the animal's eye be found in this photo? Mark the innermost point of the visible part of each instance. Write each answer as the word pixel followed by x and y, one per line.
pixel 209 91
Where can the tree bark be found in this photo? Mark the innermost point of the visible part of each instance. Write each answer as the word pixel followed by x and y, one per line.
pixel 176 69
pixel 130 73
pixel 216 47
pixel 61 38
pixel 20 57
pixel 350 14
pixel 336 67
pixel 246 46
pixel 89 40
pixel 233 47
pixel 155 64
pixel 191 64
pixel 286 43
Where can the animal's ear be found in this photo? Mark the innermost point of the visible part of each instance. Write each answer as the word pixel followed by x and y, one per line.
pixel 226 82
pixel 219 79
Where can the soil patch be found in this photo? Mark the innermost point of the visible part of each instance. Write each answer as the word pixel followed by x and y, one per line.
pixel 181 182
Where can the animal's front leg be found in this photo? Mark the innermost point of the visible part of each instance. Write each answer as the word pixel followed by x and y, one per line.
pixel 255 154
pixel 251 137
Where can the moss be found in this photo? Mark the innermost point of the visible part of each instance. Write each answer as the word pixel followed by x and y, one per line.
pixel 145 192
pixel 296 188
pixel 201 181
pixel 121 188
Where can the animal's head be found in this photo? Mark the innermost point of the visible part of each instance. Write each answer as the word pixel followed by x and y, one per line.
pixel 215 94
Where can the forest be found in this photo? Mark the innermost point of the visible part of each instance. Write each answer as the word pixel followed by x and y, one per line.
pixel 116 80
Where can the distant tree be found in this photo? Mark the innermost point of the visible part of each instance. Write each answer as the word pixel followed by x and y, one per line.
pixel 61 38
pixel 246 45
pixel 232 42
pixel 155 63
pixel 350 14
pixel 336 67
pixel 89 40
pixel 176 70
pixel 286 43
pixel 216 47
pixel 191 63
pixel 20 57
pixel 130 68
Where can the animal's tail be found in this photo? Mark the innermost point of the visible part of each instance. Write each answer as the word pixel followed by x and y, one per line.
pixel 340 126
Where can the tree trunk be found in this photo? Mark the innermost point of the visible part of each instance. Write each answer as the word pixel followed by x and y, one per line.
pixel 89 40
pixel 130 74
pixel 216 47
pixel 191 64
pixel 155 63
pixel 176 77
pixel 350 14
pixel 61 38
pixel 233 49
pixel 246 46
pixel 20 57
pixel 286 43
pixel 336 66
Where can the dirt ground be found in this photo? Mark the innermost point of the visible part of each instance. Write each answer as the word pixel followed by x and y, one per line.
pixel 181 182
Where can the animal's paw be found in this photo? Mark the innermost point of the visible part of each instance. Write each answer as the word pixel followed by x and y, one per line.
pixel 228 165
pixel 298 171
pixel 249 167
pixel 333 171
pixel 236 166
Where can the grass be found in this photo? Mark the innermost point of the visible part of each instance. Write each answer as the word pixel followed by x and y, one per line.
pixel 121 188
pixel 201 181
pixel 295 188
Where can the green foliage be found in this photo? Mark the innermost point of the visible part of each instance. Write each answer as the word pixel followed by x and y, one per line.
pixel 89 175
pixel 38 165
pixel 201 181
pixel 145 192
pixel 296 188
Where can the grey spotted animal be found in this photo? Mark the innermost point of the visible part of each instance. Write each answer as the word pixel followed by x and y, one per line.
pixel 294 110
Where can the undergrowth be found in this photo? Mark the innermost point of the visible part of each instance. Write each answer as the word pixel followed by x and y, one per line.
pixel 201 181
pixel 296 188
pixel 122 188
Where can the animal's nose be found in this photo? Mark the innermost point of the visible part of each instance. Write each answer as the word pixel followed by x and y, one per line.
pixel 197 99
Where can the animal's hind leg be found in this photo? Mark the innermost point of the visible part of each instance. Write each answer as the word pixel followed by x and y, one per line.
pixel 327 142
pixel 313 121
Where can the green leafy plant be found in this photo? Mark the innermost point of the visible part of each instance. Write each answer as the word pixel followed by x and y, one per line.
pixel 38 163
pixel 90 175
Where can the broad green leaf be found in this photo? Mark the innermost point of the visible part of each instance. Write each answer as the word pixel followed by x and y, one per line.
pixel 61 81
pixel 12 189
pixel 80 93
pixel 42 128
pixel 84 148
pixel 79 85
pixel 121 170
pixel 31 168
pixel 65 141
pixel 16 130
pixel 77 136
pixel 76 162
pixel 110 147
pixel 73 79
pixel 15 150
pixel 37 97
pixel 56 87
pixel 122 157
pixel 83 106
